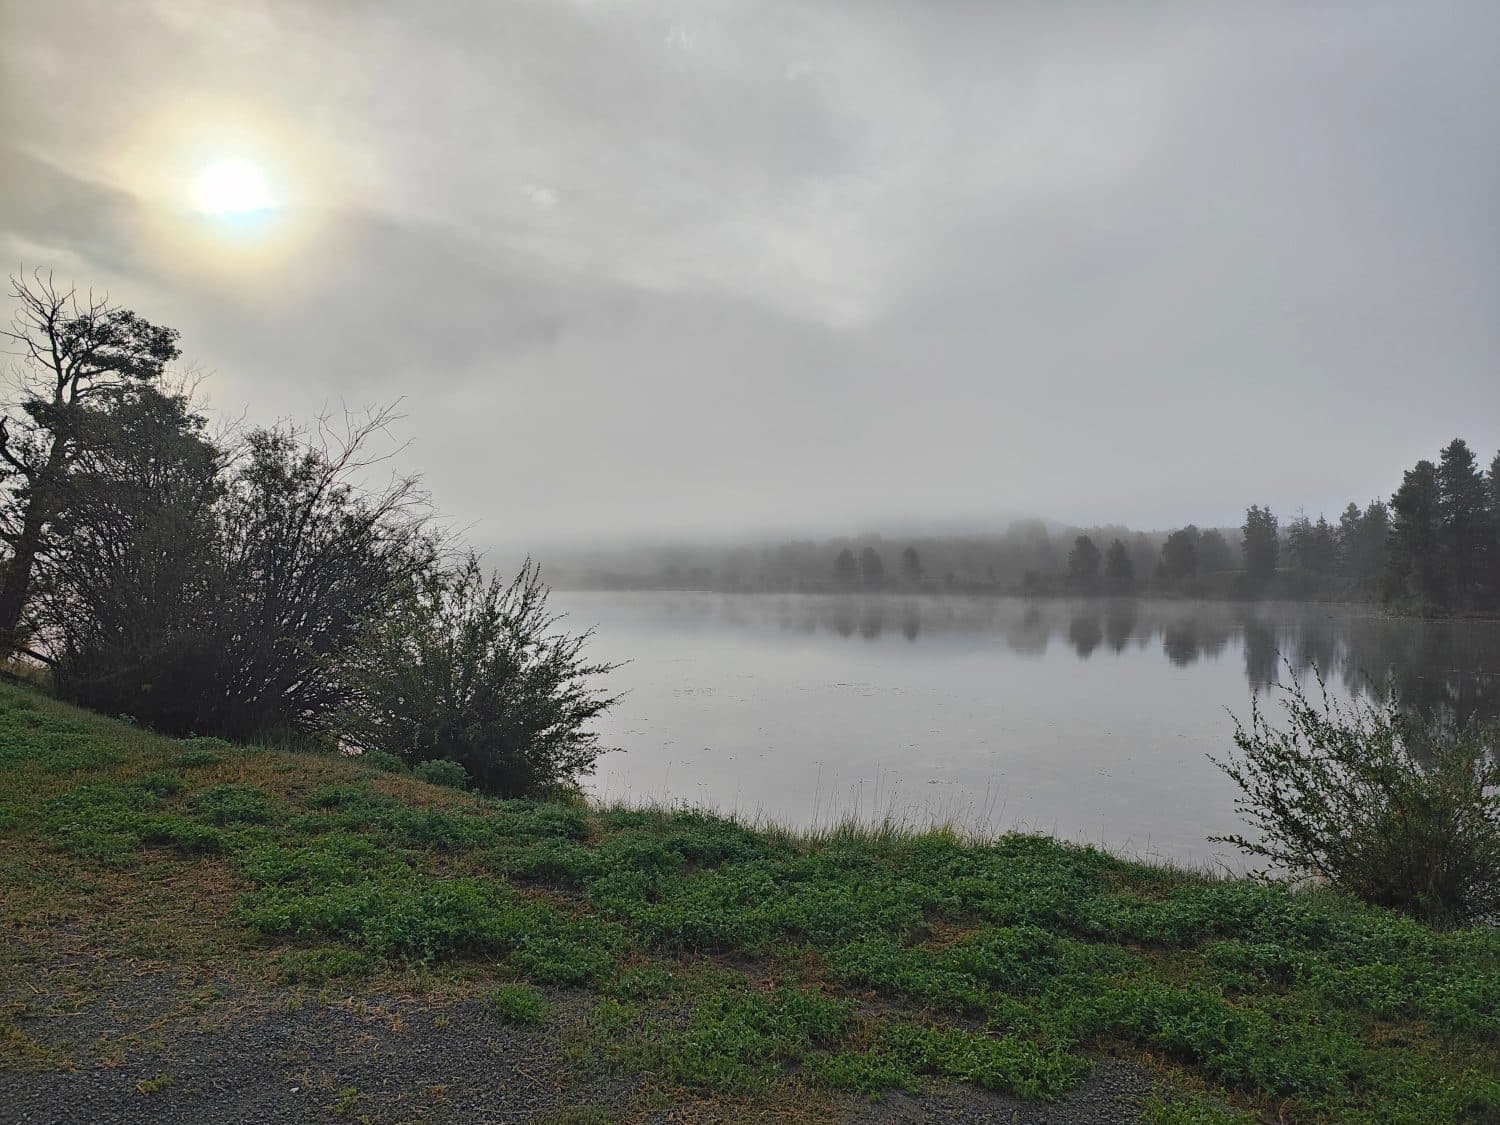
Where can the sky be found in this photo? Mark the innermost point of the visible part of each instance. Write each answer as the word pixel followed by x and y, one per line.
pixel 734 267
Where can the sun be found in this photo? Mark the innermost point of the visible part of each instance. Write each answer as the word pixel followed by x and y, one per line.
pixel 232 187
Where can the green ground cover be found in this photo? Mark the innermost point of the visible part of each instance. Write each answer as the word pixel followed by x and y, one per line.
pixel 733 963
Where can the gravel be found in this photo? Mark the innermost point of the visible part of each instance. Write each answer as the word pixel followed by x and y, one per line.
pixel 151 1047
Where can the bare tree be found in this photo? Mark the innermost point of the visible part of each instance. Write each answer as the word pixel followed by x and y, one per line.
pixel 74 355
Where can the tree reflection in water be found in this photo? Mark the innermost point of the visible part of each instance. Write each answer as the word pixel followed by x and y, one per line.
pixel 1447 668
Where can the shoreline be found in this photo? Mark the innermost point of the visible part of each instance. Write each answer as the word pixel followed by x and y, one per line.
pixel 1374 608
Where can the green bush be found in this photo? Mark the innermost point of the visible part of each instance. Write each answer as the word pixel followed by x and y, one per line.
pixel 472 668
pixel 440 771
pixel 383 761
pixel 1360 796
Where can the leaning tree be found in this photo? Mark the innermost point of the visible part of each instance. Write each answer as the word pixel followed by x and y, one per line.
pixel 74 355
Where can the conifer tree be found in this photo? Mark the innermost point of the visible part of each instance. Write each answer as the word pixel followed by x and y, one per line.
pixel 1464 532
pixel 1415 572
pixel 1260 543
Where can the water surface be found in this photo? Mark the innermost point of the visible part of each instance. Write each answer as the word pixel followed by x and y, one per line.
pixel 1091 720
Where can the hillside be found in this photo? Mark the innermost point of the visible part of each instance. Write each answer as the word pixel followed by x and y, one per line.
pixel 201 932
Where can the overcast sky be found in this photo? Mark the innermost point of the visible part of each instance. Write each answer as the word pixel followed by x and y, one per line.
pixel 734 265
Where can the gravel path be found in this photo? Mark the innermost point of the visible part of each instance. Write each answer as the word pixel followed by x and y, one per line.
pixel 148 1047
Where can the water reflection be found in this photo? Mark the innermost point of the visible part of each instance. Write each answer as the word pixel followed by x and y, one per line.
pixel 1446 667
pixel 1091 720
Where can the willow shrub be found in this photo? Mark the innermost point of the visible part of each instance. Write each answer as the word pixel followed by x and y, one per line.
pixel 1398 811
pixel 473 670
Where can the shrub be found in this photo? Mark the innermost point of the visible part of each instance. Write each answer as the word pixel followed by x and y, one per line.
pixel 440 771
pixel 471 668
pixel 205 589
pixel 1360 796
pixel 383 761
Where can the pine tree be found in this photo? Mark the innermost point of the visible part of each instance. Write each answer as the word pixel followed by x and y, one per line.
pixel 74 356
pixel 1084 559
pixel 1374 542
pixel 1320 549
pixel 1492 578
pixel 1415 567
pixel 911 565
pixel 1298 534
pixel 1348 540
pixel 1117 562
pixel 1260 544
pixel 845 569
pixel 1463 511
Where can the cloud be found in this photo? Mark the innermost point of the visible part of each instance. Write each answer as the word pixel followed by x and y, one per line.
pixel 674 267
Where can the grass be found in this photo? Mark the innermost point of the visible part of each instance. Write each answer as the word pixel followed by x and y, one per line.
pixel 734 966
pixel 520 1003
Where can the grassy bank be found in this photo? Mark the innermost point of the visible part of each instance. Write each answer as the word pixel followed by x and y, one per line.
pixel 718 966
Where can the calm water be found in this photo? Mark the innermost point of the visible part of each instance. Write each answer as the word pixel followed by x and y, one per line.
pixel 1089 720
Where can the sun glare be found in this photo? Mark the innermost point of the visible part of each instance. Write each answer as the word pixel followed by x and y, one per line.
pixel 232 187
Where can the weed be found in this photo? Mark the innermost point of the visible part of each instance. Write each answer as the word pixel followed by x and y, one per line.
pixel 520 1003
pixel 347 1103
pixel 234 804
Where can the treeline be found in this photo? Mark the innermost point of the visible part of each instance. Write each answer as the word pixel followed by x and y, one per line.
pixel 1433 548
pixel 258 586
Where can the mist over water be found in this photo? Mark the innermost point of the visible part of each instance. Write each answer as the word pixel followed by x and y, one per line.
pixel 1088 719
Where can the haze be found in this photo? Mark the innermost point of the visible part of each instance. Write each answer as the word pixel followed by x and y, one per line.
pixel 707 269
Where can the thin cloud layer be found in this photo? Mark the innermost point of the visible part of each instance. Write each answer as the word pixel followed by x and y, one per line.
pixel 666 269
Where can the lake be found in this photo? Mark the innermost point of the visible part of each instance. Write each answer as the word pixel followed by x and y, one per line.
pixel 1089 720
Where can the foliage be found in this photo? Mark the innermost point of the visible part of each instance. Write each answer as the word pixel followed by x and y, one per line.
pixel 733 964
pixel 1363 539
pixel 1179 554
pixel 845 568
pixel 1312 546
pixel 387 763
pixel 1415 569
pixel 1353 795
pixel 200 591
pixel 1214 552
pixel 472 669
pixel 307 559
pixel 911 565
pixel 1084 560
pixel 520 1003
pixel 1466 535
pixel 127 597
pixel 436 771
pixel 76 358
pixel 1117 562
pixel 1260 543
